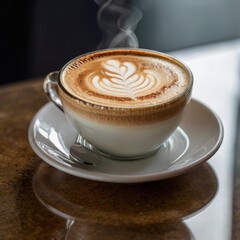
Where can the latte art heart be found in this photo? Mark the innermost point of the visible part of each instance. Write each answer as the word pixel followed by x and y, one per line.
pixel 121 79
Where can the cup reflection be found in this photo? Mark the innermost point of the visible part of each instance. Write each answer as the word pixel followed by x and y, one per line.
pixel 98 210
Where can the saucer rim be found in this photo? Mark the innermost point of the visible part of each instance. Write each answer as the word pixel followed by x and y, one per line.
pixel 129 178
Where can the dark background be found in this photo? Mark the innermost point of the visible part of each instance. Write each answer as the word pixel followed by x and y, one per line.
pixel 41 36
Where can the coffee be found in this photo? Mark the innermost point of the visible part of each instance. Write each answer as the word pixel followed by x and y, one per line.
pixel 125 102
pixel 124 79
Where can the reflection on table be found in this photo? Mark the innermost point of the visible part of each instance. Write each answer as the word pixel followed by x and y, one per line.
pixel 97 210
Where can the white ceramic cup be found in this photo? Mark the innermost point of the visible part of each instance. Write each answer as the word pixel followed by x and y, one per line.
pixel 121 132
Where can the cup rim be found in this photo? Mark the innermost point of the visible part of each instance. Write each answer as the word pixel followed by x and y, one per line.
pixel 149 51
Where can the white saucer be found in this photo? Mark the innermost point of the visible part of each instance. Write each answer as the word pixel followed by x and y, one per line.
pixel 195 141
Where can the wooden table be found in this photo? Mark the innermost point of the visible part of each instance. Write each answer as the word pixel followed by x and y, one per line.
pixel 41 202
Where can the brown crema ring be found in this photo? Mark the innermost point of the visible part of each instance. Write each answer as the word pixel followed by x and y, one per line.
pixel 125 116
pixel 96 98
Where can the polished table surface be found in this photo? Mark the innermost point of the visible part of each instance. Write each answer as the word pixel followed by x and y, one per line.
pixel 41 202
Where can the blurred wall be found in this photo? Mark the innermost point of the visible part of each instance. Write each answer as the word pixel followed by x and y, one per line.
pixel 15 21
pixel 41 36
pixel 174 24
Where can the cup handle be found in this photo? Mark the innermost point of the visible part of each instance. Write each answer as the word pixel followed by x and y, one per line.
pixel 50 85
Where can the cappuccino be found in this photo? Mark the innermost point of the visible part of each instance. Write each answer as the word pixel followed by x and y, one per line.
pixel 125 102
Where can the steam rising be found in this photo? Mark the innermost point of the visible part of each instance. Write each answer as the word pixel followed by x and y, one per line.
pixel 117 21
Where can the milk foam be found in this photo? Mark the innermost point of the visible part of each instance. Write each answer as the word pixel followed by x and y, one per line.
pixel 124 79
pixel 120 79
